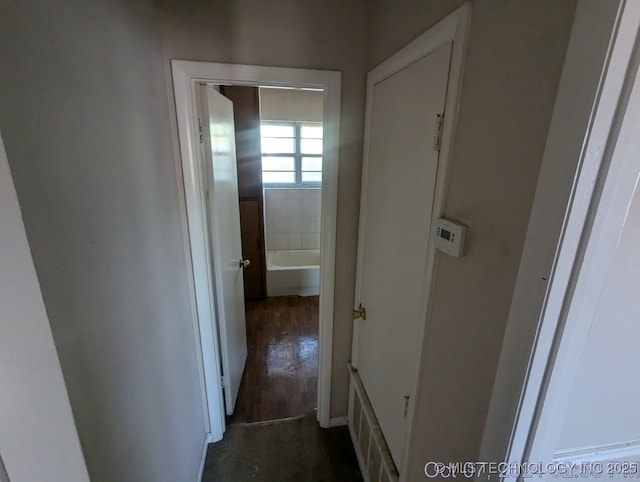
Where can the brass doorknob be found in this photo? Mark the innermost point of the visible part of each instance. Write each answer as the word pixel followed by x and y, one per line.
pixel 361 312
pixel 244 263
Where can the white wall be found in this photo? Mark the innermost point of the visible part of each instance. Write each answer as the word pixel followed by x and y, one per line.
pixel 290 105
pixel 85 123
pixel 604 401
pixel 38 438
pixel 292 218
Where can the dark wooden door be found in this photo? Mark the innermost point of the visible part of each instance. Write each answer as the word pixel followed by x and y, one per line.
pixel 252 248
pixel 246 110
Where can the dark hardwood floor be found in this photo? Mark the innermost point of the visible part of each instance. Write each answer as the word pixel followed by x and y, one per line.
pixel 280 377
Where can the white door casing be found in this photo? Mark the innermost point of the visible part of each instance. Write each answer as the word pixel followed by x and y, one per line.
pixel 187 75
pixel 223 211
pixel 395 233
pixel 596 214
pixel 601 417
pixel 600 243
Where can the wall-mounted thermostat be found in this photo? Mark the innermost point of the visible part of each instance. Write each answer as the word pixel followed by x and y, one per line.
pixel 450 237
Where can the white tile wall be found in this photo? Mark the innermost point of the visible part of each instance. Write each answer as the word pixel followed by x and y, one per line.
pixel 292 218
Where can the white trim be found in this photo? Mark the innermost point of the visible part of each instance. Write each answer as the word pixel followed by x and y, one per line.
pixel 606 218
pixel 597 211
pixel 453 28
pixel 338 421
pixel 186 74
pixel 600 453
pixel 207 336
pixel 203 456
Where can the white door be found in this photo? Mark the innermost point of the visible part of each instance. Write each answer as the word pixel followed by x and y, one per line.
pixel 585 419
pixel 601 418
pixel 395 232
pixel 223 212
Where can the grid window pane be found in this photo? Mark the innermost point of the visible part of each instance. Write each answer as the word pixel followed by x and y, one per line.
pixel 277 131
pixel 311 177
pixel 277 145
pixel 291 153
pixel 270 163
pixel 278 177
pixel 311 146
pixel 311 131
pixel 312 163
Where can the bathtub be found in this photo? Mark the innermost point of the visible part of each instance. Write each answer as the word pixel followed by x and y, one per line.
pixel 293 272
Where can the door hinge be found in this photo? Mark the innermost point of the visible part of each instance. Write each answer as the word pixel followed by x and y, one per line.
pixel 200 127
pixel 222 382
pixel 361 312
pixel 406 405
pixel 437 134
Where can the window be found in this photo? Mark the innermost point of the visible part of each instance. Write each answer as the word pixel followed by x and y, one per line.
pixel 291 153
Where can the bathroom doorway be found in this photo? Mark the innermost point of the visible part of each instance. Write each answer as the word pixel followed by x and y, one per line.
pixel 187 76
pixel 279 149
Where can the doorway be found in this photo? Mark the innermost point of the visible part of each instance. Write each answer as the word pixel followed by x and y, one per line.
pixel 279 150
pixel 187 76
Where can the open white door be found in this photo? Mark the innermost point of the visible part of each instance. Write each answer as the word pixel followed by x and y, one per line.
pixel 399 184
pixel 578 415
pixel 223 214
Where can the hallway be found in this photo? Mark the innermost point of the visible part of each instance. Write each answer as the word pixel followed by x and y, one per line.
pixel 273 434
pixel 281 373
pixel 114 348
pixel 291 450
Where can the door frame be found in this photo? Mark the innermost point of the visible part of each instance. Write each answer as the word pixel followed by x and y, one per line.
pixel 186 76
pixel 592 197
pixel 452 29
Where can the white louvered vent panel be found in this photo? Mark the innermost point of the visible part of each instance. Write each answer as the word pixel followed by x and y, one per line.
pixel 371 449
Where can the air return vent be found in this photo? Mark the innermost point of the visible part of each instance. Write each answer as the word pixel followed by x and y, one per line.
pixel 371 449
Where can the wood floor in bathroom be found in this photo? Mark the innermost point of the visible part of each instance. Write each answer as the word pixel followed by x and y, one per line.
pixel 281 374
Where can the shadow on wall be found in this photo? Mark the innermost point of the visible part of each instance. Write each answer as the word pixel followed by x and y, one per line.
pixel 4 477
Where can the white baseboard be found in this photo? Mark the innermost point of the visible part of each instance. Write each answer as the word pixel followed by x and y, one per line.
pixel 203 456
pixel 338 421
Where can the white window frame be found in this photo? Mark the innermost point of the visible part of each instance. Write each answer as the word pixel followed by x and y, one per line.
pixel 297 155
